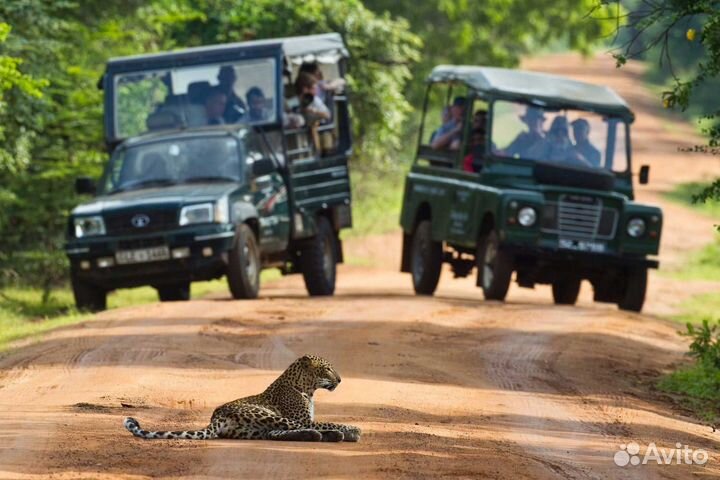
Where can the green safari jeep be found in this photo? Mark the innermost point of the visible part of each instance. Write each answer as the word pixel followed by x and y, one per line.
pixel 215 169
pixel 527 173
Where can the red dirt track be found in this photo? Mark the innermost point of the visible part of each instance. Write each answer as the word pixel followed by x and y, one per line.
pixel 443 386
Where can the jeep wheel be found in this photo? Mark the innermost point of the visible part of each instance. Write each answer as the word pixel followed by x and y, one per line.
pixel 426 259
pixel 565 290
pixel 495 268
pixel 633 297
pixel 178 292
pixel 88 297
pixel 318 260
pixel 244 264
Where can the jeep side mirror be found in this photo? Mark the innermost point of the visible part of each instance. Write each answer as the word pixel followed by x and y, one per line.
pixel 85 185
pixel 644 176
pixel 263 166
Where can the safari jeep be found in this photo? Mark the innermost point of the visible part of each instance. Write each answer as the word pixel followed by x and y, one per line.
pixel 214 171
pixel 527 173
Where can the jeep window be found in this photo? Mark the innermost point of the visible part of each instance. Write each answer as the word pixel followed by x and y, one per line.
pixel 443 124
pixel 563 136
pixel 180 160
pixel 241 92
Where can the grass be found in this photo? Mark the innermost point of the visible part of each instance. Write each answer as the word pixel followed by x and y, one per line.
pixel 703 264
pixel 23 314
pixel 377 199
pixel 698 307
pixel 699 389
pixel 683 194
pixel 698 385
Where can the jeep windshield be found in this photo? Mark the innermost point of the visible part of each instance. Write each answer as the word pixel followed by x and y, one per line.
pixel 561 136
pixel 193 96
pixel 173 161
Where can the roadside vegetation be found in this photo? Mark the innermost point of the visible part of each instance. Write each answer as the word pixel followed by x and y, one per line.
pixel 699 384
pixel 703 264
pixel 377 198
pixel 24 313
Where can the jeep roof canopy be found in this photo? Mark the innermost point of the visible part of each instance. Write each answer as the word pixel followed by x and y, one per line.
pixel 327 47
pixel 532 86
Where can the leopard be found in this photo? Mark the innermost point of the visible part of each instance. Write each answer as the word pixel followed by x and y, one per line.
pixel 284 411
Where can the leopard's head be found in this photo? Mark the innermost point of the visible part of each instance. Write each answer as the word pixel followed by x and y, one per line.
pixel 319 372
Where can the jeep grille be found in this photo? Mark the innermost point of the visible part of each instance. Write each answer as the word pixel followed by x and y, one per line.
pixel 579 217
pixel 159 220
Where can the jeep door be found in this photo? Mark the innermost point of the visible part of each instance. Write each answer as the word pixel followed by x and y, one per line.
pixel 269 193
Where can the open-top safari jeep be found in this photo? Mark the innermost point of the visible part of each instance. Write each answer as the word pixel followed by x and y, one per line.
pixel 220 165
pixel 528 173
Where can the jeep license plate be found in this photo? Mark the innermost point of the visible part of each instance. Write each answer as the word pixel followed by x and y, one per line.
pixel 582 245
pixel 142 255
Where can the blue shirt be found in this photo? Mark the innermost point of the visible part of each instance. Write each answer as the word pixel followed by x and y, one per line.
pixel 444 128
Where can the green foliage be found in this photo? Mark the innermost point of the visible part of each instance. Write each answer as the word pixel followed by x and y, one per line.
pixel 684 36
pixel 24 312
pixel 377 198
pixel 495 32
pixel 700 383
pixel 705 346
pixel 703 196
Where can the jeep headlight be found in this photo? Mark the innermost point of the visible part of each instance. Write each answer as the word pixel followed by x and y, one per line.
pixel 200 213
pixel 527 216
pixel 89 226
pixel 222 211
pixel 636 227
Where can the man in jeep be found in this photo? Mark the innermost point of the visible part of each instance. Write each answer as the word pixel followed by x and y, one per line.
pixel 583 147
pixel 525 142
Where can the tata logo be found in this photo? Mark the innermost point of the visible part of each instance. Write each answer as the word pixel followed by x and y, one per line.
pixel 139 221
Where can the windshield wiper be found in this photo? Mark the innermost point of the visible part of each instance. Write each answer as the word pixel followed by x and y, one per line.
pixel 210 178
pixel 144 184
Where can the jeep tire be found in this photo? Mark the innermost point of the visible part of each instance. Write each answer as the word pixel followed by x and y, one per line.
pixel 426 257
pixel 318 260
pixel 178 292
pixel 243 273
pixel 88 297
pixel 495 267
pixel 565 290
pixel 632 297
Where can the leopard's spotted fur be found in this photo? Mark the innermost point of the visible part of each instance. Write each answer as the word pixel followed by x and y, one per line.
pixel 284 411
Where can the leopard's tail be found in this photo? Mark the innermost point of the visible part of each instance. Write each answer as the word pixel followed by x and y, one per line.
pixel 133 427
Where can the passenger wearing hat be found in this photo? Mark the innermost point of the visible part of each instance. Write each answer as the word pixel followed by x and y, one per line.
pixel 448 136
pixel 527 141
pixel 557 146
pixel 583 147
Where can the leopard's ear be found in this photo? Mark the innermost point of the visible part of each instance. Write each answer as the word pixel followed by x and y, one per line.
pixel 306 361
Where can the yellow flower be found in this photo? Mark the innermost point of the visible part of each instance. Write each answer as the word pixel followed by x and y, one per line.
pixel 690 34
pixel 666 103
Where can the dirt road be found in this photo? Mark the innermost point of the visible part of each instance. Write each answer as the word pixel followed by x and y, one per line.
pixel 444 386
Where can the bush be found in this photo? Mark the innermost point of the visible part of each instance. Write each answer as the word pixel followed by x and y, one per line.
pixel 705 346
pixel 699 383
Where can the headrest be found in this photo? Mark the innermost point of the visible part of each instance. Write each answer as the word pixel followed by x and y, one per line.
pixel 198 91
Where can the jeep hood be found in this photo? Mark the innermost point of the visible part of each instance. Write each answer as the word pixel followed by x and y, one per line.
pixel 166 196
